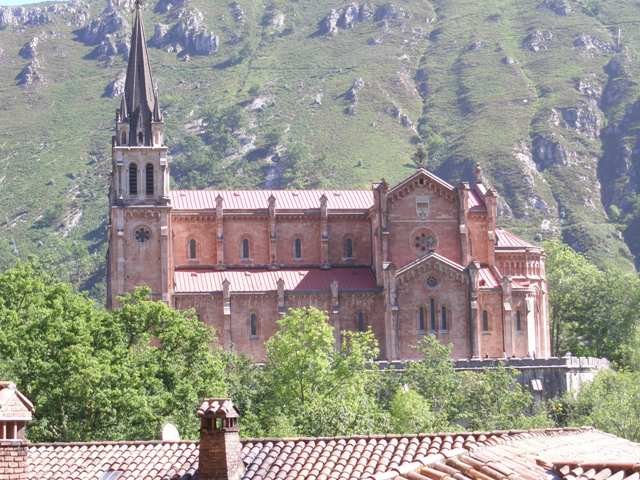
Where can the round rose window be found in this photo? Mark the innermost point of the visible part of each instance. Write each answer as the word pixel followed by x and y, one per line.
pixel 143 234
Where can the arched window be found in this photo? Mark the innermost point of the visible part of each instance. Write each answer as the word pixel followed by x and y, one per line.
pixel 140 138
pixel 485 321
pixel 443 319
pixel 348 248
pixel 422 319
pixel 148 174
pixel 133 179
pixel 253 325
pixel 518 321
pixel 297 248
pixel 124 138
pixel 244 253
pixel 362 325
pixel 432 315
pixel 193 250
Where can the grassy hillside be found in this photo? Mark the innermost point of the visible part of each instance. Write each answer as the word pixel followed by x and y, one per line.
pixel 540 93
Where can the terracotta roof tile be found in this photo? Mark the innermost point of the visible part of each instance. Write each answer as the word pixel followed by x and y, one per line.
pixel 348 278
pixel 337 200
pixel 507 240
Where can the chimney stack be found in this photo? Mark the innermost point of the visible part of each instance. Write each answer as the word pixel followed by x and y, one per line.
pixel 15 412
pixel 220 447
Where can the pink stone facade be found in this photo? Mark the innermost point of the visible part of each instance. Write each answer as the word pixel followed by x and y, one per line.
pixel 418 258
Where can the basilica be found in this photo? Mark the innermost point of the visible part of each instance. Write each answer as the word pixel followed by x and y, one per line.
pixel 422 257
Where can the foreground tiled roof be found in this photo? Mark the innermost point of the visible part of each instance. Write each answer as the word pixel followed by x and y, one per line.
pixel 348 278
pixel 259 199
pixel 356 457
pixel 530 455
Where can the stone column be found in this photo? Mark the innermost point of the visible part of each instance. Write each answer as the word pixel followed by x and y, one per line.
pixel 507 304
pixel 226 310
pixel 282 308
pixel 531 325
pixel 335 313
pixel 463 201
pixel 475 329
pixel 273 245
pixel 219 232
pixel 391 313
pixel 164 256
pixel 324 233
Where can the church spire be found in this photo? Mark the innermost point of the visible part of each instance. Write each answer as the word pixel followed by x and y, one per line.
pixel 139 96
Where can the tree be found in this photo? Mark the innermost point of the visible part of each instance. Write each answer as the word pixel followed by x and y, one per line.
pixel 411 413
pixel 95 374
pixel 321 389
pixel 610 403
pixel 594 312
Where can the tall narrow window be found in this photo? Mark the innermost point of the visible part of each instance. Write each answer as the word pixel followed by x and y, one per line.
pixel 348 248
pixel 140 138
pixel 485 321
pixel 422 319
pixel 245 248
pixel 192 249
pixel 518 321
pixel 148 176
pixel 124 139
pixel 133 179
pixel 253 325
pixel 432 315
pixel 362 325
pixel 443 319
pixel 297 248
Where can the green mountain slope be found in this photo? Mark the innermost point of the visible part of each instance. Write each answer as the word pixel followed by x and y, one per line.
pixel 540 93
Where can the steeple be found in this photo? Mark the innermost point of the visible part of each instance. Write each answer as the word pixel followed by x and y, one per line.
pixel 140 107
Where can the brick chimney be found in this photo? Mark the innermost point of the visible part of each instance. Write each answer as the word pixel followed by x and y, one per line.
pixel 15 412
pixel 220 447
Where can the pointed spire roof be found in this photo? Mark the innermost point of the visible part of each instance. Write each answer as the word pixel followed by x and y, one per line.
pixel 139 95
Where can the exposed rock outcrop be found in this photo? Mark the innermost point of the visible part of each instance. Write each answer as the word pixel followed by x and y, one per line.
pixel 402 118
pixel 116 86
pixel 74 12
pixel 109 22
pixel 549 152
pixel 559 7
pixel 590 87
pixel 352 95
pixel 188 35
pixel 164 6
pixel 237 12
pixel 30 49
pixel 522 153
pixel 389 11
pixel 348 16
pixel 592 45
pixel 31 74
pixel 538 40
pixel 585 118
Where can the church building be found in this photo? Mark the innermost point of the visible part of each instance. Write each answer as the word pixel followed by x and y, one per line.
pixel 417 258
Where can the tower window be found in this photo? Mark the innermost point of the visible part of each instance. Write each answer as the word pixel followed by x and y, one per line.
pixel 253 325
pixel 422 319
pixel 149 178
pixel 192 249
pixel 518 321
pixel 297 248
pixel 443 319
pixel 362 325
pixel 244 253
pixel 432 315
pixel 485 321
pixel 124 138
pixel 133 179
pixel 140 138
pixel 348 248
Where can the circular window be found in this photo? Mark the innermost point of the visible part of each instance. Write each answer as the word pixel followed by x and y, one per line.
pixel 143 234
pixel 424 242
pixel 432 282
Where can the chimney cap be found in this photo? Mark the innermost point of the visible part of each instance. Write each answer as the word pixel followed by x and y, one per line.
pixel 219 408
pixel 14 406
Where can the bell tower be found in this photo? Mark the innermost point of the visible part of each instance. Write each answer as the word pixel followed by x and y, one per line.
pixel 139 202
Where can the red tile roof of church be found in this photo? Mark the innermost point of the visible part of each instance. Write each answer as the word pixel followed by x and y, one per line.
pixel 201 281
pixel 357 457
pixel 487 278
pixel 506 239
pixel 259 199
